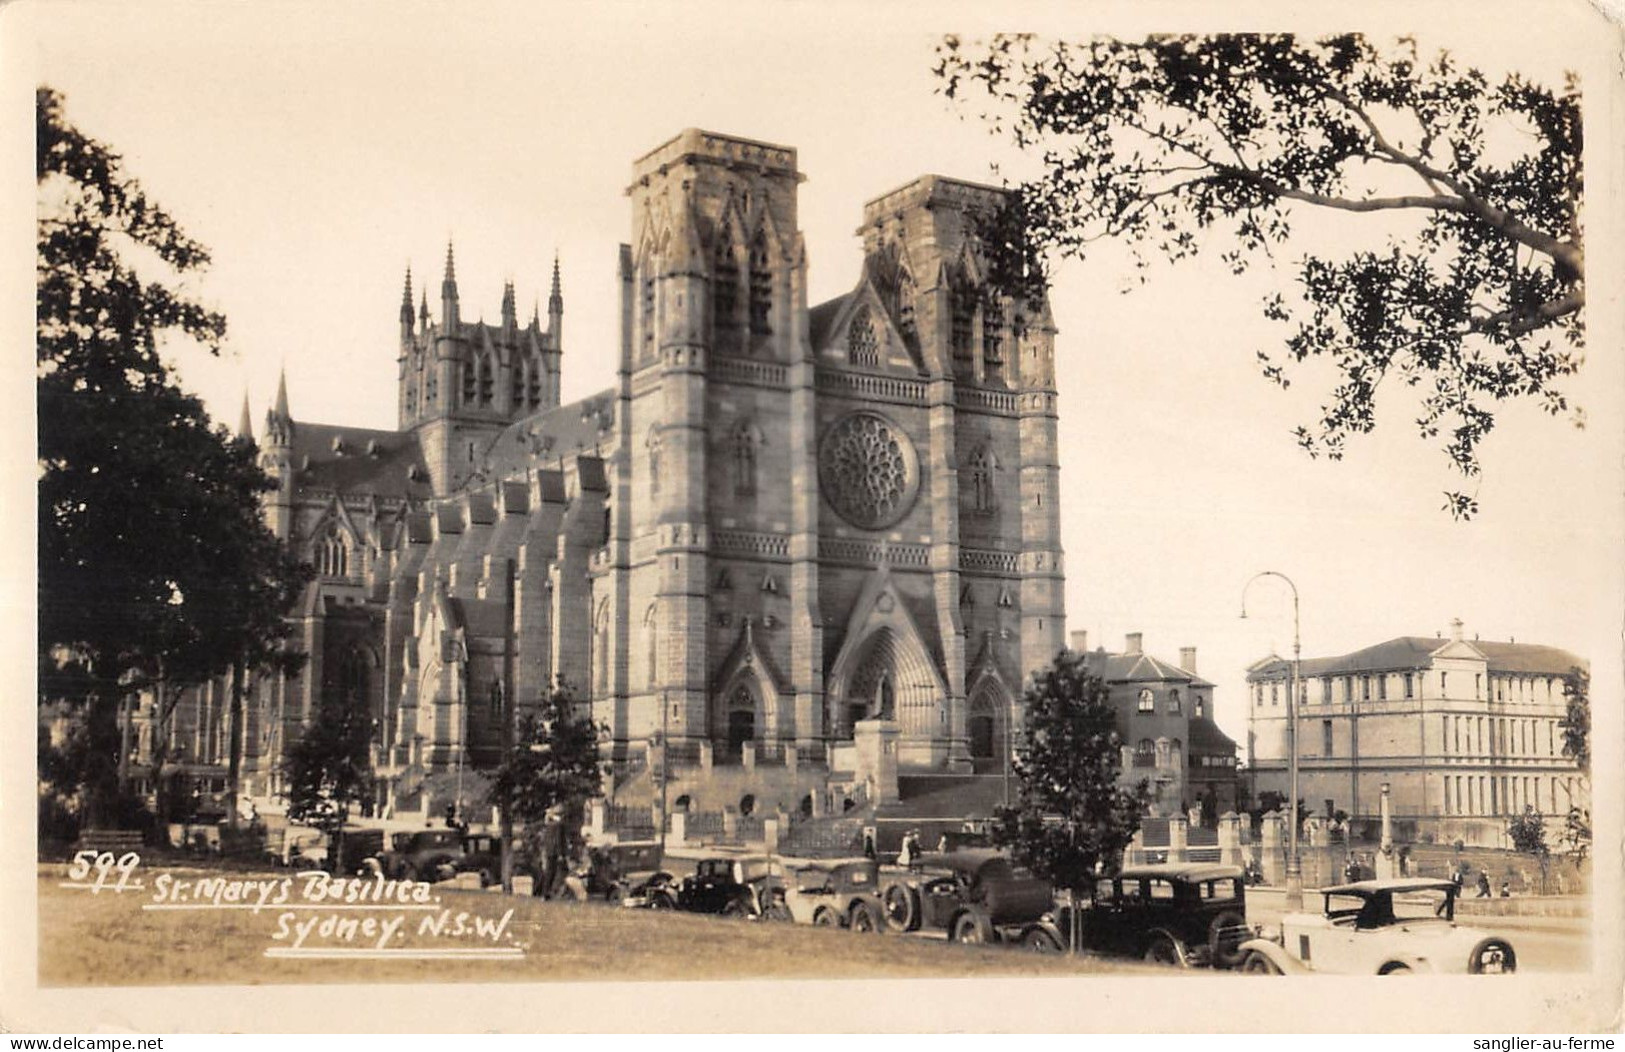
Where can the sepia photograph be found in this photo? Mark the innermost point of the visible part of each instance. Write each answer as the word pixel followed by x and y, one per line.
pixel 717 517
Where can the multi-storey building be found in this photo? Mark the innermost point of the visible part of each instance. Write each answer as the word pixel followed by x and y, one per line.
pixel 789 540
pixel 1466 733
pixel 1165 719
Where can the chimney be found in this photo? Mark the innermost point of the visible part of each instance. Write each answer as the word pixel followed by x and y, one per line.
pixel 1131 643
pixel 1187 659
pixel 1080 640
pixel 1455 629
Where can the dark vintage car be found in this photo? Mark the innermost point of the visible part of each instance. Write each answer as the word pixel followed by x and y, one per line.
pixel 429 854
pixel 845 895
pixel 733 887
pixel 1184 914
pixel 482 854
pixel 974 895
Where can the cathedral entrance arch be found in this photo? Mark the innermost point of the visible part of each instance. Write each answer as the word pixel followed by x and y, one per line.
pixel 741 720
pixel 888 676
pixel 987 725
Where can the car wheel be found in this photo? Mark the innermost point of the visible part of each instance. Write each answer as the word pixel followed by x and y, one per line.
pixel 1165 949
pixel 865 919
pixel 660 900
pixel 1225 936
pixel 735 909
pixel 1255 963
pixel 614 894
pixel 826 918
pixel 1493 957
pixel 1396 969
pixel 1037 940
pixel 972 929
pixel 902 907
pixel 778 912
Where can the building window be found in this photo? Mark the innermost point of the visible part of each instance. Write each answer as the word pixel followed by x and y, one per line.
pixel 1408 688
pixel 647 309
pixel 1326 737
pixel 332 554
pixel 725 292
pixel 1478 685
pixel 533 382
pixel 1326 690
pixel 1201 708
pixel 1365 688
pixel 761 287
pixel 862 348
pixel 744 459
pixel 1275 693
pixel 1382 688
pixel 962 297
pixel 1173 702
pixel 1444 689
pixel 1147 700
pixel 993 338
pixel 1145 753
pixel 981 466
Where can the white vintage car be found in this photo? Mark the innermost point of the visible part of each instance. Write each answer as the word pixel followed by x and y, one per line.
pixel 1380 927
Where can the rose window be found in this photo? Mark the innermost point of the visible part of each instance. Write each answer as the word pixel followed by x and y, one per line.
pixel 867 470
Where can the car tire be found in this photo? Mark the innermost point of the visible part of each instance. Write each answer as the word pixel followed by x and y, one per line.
pixel 777 912
pixel 902 905
pixel 824 917
pixel 409 873
pixel 1492 957
pixel 866 920
pixel 1224 938
pixel 1165 949
pixel 661 900
pixel 1037 940
pixel 972 928
pixel 735 909
pixel 1255 963
pixel 614 894
pixel 1396 969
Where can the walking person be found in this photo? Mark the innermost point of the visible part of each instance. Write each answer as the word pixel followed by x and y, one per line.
pixel 1484 885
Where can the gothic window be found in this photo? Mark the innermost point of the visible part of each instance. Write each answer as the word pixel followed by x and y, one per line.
pixel 471 380
pixel 332 553
pixel 651 633
pixel 431 387
pixel 981 466
pixel 353 677
pixel 961 336
pixel 600 651
pixel 744 441
pixel 993 339
pixel 487 381
pixel 654 464
pixel 905 309
pixel 761 286
pixel 1145 753
pixel 1147 700
pixel 647 305
pixel 861 345
pixel 533 381
pixel 867 470
pixel 725 290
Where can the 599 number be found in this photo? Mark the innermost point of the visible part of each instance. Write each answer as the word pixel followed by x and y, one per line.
pixel 102 870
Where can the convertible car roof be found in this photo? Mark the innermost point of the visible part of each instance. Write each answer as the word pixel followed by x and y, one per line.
pixel 1192 871
pixel 1374 887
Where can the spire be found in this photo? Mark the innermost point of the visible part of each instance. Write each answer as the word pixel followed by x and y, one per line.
pixel 510 316
pixel 406 305
pixel 555 299
pixel 245 427
pixel 536 314
pixel 423 309
pixel 448 295
pixel 282 394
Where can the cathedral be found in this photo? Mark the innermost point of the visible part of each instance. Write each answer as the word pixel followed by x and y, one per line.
pixel 794 550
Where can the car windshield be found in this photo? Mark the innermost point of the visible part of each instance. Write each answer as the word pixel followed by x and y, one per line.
pixel 812 879
pixel 1424 904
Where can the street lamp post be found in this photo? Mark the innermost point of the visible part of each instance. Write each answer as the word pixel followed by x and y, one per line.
pixel 1294 865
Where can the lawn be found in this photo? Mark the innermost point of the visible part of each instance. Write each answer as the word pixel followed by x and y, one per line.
pixel 118 939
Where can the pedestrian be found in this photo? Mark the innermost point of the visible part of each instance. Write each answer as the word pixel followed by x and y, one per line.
pixel 575 880
pixel 1484 885
pixel 1506 889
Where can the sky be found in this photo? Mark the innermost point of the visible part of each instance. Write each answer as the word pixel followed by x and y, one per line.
pixel 320 152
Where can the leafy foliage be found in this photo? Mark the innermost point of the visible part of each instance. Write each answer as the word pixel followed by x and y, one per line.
pixel 1164 143
pixel 554 762
pixel 1071 814
pixel 1576 838
pixel 1528 833
pixel 326 770
pixel 1577 717
pixel 154 564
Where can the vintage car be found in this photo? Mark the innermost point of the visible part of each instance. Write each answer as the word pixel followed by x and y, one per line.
pixel 733 887
pixel 1184 914
pixel 428 854
pixel 619 868
pixel 845 895
pixel 1381 927
pixel 974 895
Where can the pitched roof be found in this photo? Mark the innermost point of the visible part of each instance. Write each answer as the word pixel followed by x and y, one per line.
pixel 365 460
pixel 1416 652
pixel 548 436
pixel 1138 668
pixel 821 317
pixel 1206 737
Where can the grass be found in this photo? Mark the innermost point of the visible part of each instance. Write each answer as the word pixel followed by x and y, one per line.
pixel 106 939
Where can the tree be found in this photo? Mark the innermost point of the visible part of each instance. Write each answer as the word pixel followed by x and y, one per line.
pixel 1576 838
pixel 553 764
pixel 1072 816
pixel 1528 835
pixel 327 771
pixel 155 568
pixel 1165 143
pixel 1577 717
